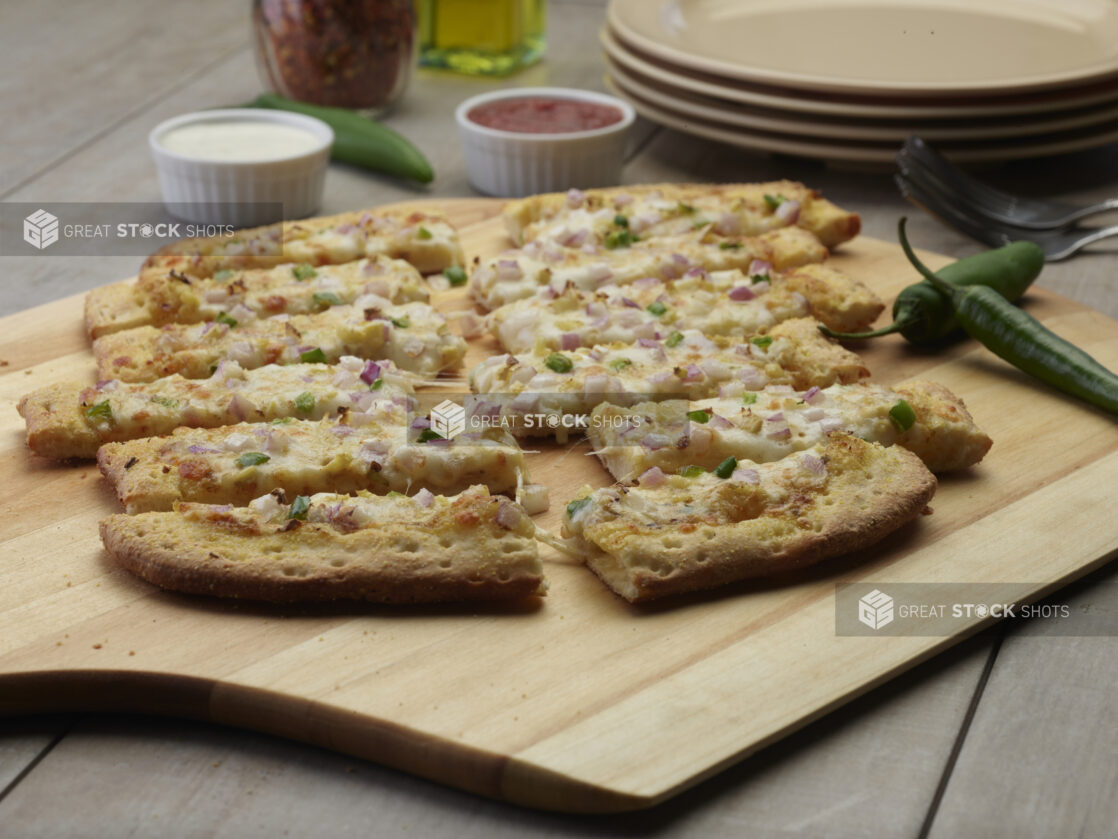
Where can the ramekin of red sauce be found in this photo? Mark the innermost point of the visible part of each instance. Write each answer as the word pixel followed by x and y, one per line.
pixel 519 141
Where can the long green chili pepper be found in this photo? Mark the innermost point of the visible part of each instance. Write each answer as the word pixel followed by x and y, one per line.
pixel 1022 340
pixel 924 316
pixel 358 140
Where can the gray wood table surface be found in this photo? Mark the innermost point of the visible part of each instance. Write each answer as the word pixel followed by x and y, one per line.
pixel 1009 734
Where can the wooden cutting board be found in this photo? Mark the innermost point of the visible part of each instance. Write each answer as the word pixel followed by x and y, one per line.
pixel 582 702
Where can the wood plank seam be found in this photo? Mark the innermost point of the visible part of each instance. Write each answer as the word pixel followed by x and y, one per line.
pixel 964 729
pixel 35 761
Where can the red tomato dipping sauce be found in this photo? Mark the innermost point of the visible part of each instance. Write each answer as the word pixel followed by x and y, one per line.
pixel 536 115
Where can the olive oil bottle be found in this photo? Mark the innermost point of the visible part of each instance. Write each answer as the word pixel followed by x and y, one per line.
pixel 481 37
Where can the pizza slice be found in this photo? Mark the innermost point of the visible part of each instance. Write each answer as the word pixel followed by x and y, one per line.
pixel 518 274
pixel 395 549
pixel 413 336
pixel 180 297
pixel 730 303
pixel 425 240
pixel 923 417
pixel 568 385
pixel 72 420
pixel 362 450
pixel 670 534
pixel 660 211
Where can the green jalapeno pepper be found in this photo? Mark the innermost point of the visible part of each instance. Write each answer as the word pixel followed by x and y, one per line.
pixel 923 316
pixel 1022 340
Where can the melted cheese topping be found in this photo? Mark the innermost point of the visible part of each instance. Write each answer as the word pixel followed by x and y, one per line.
pixel 778 423
pixel 701 302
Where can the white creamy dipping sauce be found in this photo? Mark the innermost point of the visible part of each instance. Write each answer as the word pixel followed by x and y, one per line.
pixel 239 141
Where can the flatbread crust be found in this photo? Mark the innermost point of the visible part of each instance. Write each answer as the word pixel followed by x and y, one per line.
pixel 717 303
pixel 303 458
pixel 70 420
pixel 691 366
pixel 777 423
pixel 469 547
pixel 519 274
pixel 425 240
pixel 529 218
pixel 412 335
pixel 698 533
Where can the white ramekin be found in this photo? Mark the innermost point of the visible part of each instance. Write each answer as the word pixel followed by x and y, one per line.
pixel 242 193
pixel 512 164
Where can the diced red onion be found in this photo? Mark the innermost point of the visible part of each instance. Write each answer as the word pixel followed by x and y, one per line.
pixel 728 224
pixel 240 407
pixel 715 369
pixel 693 373
pixel 814 396
pixel 696 273
pixel 648 342
pixel 812 463
pixel 742 292
pixel 759 266
pixel 746 476
pixel 507 516
pixel 534 498
pixel 599 272
pixel 788 212
pixel 596 383
pixel 371 373
pixel 523 374
pixel 341 430
pixel 751 377
pixel 652 478
pixel 630 302
pixel 509 269
pixel 424 498
pixel 718 421
pixel 420 422
pixel 197 449
pixel 575 198
pixel 701 437
pixel 653 442
pixel 346 228
pixel 570 341
pixel 777 417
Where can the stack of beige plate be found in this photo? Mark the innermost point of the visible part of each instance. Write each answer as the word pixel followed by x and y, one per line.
pixel 984 80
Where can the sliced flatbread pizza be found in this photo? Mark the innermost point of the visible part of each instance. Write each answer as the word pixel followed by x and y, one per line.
pixel 425 240
pixel 422 549
pixel 923 417
pixel 72 420
pixel 363 450
pixel 413 336
pixel 568 385
pixel 671 534
pixel 719 303
pixel 659 211
pixel 519 274
pixel 292 288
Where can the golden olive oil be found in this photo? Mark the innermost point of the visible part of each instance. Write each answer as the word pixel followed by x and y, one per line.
pixel 481 37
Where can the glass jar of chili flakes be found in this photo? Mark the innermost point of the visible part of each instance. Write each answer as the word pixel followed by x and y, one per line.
pixel 345 53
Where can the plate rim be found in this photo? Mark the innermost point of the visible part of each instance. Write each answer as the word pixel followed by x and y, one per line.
pixel 811 82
